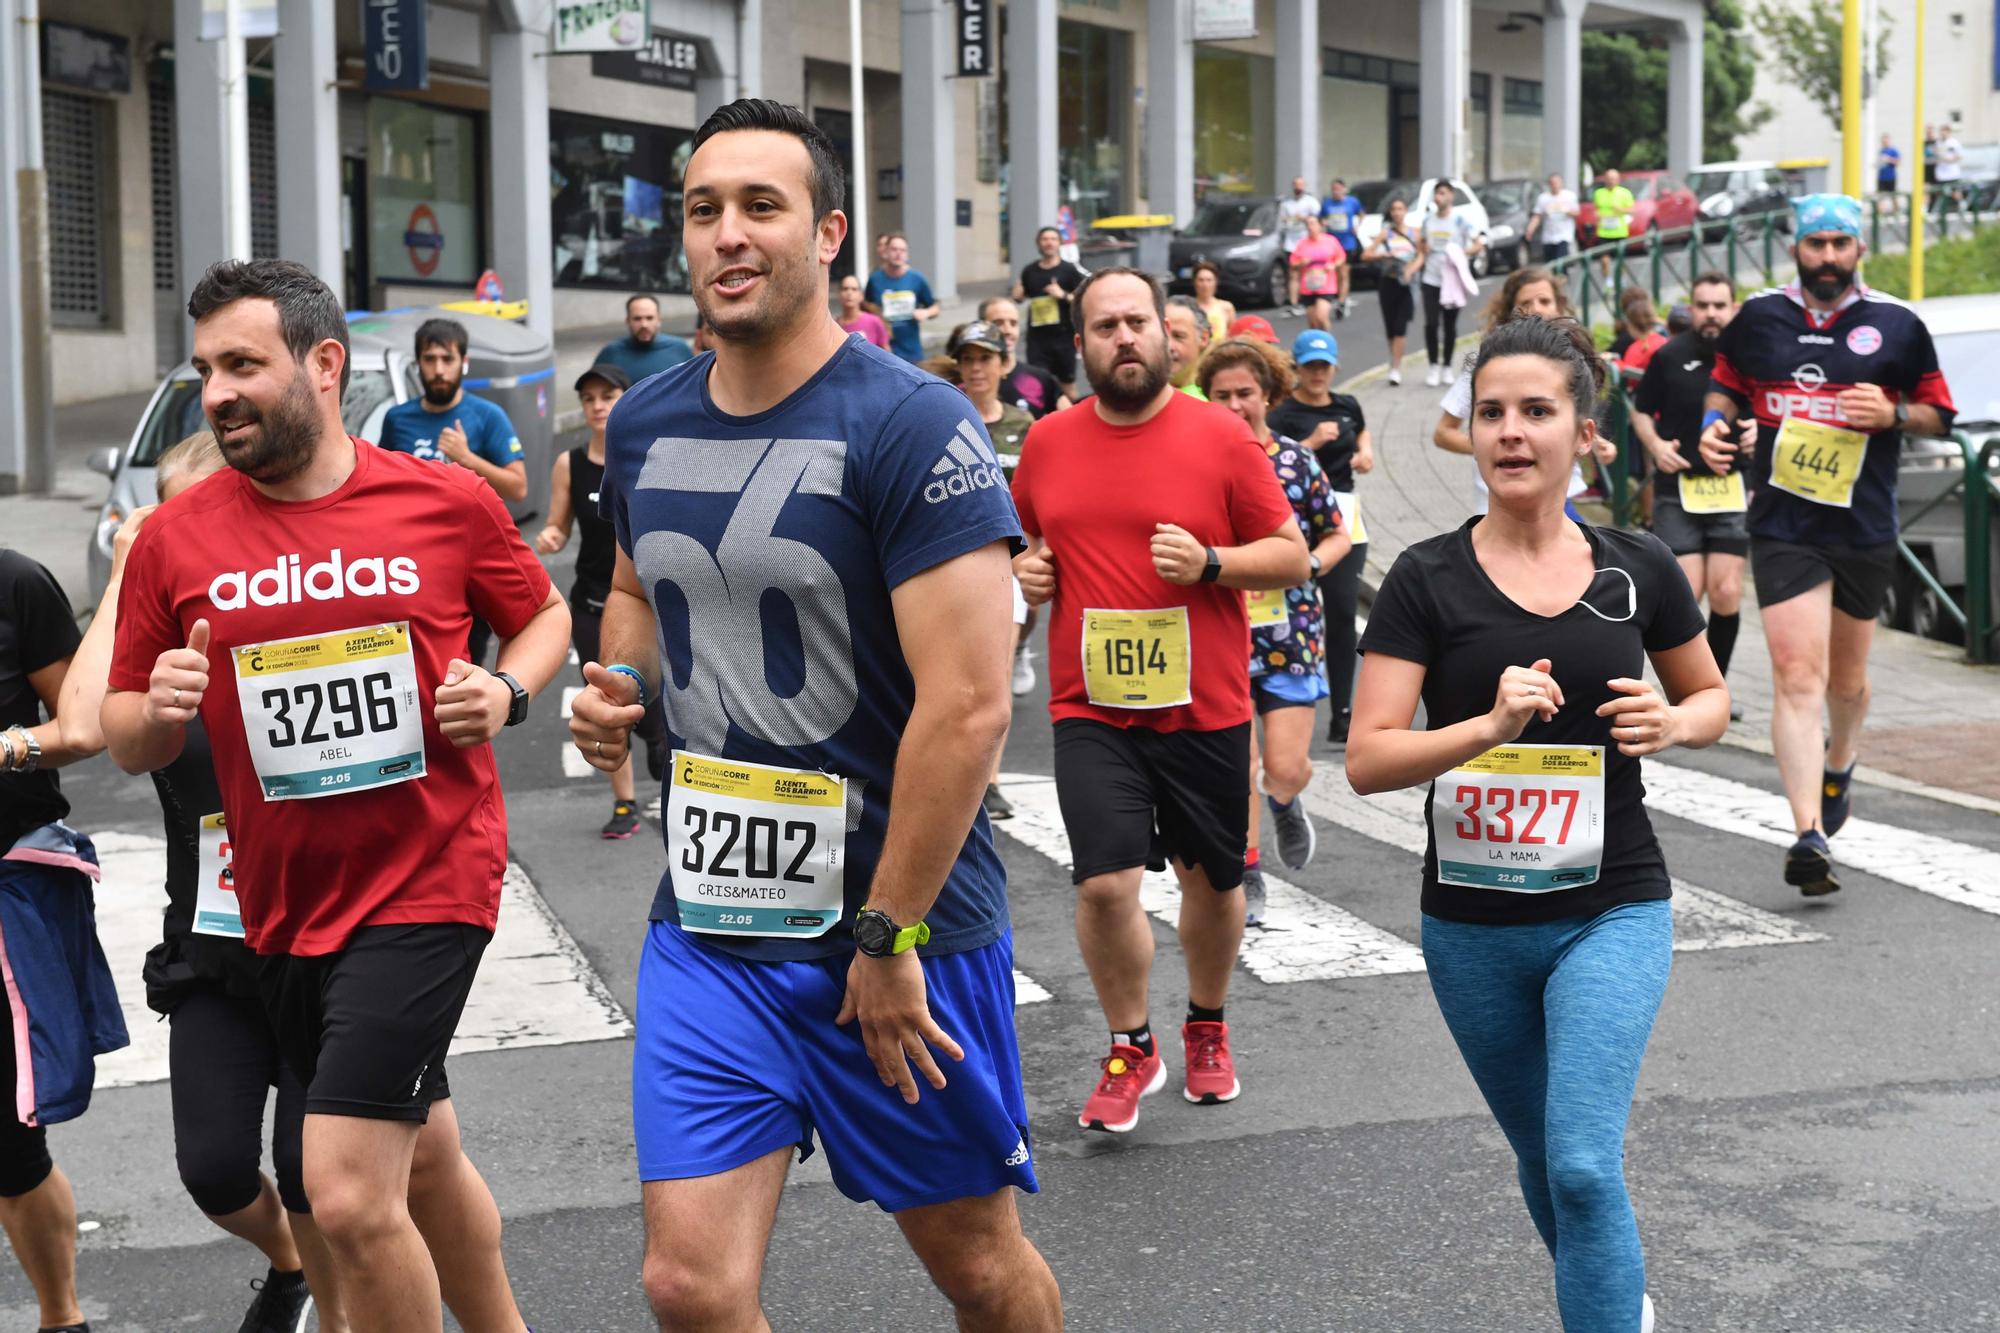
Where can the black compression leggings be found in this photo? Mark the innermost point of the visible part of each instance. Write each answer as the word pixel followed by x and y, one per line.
pixel 24 1149
pixel 1340 597
pixel 1435 313
pixel 223 1058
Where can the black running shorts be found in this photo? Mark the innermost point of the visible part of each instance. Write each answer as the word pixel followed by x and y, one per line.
pixel 1131 796
pixel 1860 574
pixel 1055 355
pixel 366 1029
pixel 1695 534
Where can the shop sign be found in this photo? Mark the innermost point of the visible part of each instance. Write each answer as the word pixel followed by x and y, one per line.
pixel 974 39
pixel 394 34
pixel 1224 20
pixel 424 239
pixel 96 62
pixel 667 60
pixel 602 25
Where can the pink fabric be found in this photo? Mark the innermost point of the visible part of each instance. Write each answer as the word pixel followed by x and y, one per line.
pixel 61 860
pixel 1317 260
pixel 869 326
pixel 24 1055
pixel 1459 286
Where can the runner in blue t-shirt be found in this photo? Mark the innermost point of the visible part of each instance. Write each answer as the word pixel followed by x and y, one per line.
pixel 813 570
pixel 902 297
pixel 448 425
pixel 1340 211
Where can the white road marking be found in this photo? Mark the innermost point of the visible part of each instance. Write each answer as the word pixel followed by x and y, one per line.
pixel 534 986
pixel 1954 871
pixel 573 763
pixel 1027 990
pixel 1703 919
pixel 1315 941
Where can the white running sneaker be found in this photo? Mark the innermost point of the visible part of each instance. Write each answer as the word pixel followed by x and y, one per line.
pixel 1431 376
pixel 1451 374
pixel 1396 376
pixel 1024 671
pixel 1646 1314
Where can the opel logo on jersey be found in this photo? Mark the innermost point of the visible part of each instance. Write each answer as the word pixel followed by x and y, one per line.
pixel 1810 377
pixel 328 580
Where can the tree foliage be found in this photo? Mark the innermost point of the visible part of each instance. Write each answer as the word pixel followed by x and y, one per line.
pixel 1625 88
pixel 1804 38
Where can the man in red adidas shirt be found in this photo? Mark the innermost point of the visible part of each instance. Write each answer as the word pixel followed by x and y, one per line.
pixel 1149 514
pixel 309 603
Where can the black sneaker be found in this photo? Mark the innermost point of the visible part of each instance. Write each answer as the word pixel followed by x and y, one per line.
pixel 997 806
pixel 282 1304
pixel 1810 865
pixel 1336 727
pixel 1836 799
pixel 624 821
pixel 84 1327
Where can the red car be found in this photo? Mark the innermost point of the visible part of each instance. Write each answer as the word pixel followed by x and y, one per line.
pixel 1658 200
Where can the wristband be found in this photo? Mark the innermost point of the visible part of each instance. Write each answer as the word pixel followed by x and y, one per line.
pixel 1713 415
pixel 638 680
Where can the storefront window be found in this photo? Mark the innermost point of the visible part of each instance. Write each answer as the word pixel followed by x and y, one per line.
pixel 423 194
pixel 1232 123
pixel 1093 88
pixel 617 210
pixel 1521 128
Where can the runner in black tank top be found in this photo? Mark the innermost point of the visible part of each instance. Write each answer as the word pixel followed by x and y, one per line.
pixel 575 482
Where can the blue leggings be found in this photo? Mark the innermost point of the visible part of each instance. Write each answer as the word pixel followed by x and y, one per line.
pixel 1552 1019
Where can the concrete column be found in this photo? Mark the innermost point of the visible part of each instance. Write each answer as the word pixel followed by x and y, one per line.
pixel 1562 91
pixel 930 162
pixel 750 48
pixel 308 116
pixel 1295 130
pixel 1032 179
pixel 13 420
pixel 522 251
pixel 1684 96
pixel 200 129
pixel 1441 31
pixel 1170 108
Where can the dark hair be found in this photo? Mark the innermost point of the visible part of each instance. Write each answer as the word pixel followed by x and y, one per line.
pixel 1196 271
pixel 1638 316
pixel 992 301
pixel 1047 231
pixel 1121 271
pixel 1713 278
pixel 308 311
pixel 1193 307
pixel 1271 367
pixel 1337 181
pixel 1501 308
pixel 642 296
pixel 828 177
pixel 442 333
pixel 1563 341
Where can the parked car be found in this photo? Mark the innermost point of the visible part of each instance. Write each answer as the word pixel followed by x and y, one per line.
pixel 1739 194
pixel 1659 202
pixel 1509 204
pixel 1966 330
pixel 1420 196
pixel 508 363
pixel 1981 181
pixel 1239 235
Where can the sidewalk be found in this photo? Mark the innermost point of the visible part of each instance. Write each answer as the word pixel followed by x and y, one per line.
pixel 1933 726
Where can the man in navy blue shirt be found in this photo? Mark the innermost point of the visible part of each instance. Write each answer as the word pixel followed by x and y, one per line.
pixel 813 572
pixel 644 350
pixel 448 425
pixel 1830 375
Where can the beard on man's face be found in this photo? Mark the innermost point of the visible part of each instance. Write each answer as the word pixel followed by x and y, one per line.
pixel 283 437
pixel 1827 281
pixel 1127 379
pixel 440 391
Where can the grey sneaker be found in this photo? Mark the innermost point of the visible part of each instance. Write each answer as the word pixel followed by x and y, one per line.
pixel 1296 839
pixel 1253 896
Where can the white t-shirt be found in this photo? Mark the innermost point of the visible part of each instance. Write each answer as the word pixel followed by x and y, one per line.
pixel 1458 401
pixel 1292 215
pixel 1441 233
pixel 1557 210
pixel 1950 155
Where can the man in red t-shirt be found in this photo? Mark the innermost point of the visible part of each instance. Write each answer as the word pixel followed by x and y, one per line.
pixel 1149 513
pixel 310 603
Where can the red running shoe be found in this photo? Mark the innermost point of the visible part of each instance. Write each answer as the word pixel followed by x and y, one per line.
pixel 1128 1076
pixel 1211 1072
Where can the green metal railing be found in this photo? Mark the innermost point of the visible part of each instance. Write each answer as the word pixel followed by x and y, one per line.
pixel 1978 493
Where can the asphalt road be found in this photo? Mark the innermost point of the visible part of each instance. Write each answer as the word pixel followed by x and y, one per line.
pixel 1816 1144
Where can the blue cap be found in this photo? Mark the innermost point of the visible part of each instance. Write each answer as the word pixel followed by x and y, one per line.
pixel 1315 345
pixel 1826 212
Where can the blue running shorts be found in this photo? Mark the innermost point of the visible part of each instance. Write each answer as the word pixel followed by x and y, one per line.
pixel 736 1059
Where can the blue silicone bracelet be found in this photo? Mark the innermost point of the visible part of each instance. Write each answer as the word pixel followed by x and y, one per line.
pixel 633 672
pixel 1710 417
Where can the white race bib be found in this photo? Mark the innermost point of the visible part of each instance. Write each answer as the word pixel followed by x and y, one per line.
pixel 215 882
pixel 1522 819
pixel 331 713
pixel 899 306
pixel 1350 516
pixel 754 849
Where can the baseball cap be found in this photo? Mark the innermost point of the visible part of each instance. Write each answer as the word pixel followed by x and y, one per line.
pixel 610 374
pixel 1826 212
pixel 1254 326
pixel 979 333
pixel 1315 345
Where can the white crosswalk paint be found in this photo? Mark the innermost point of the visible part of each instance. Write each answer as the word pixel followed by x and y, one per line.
pixel 1954 871
pixel 573 762
pixel 1315 941
pixel 534 986
pixel 1703 919
pixel 1027 990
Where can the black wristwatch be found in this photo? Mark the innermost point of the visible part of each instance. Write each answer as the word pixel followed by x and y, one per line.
pixel 1902 414
pixel 1212 571
pixel 517 709
pixel 877 934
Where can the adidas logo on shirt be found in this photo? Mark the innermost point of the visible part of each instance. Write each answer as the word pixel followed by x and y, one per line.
pixel 327 580
pixel 968 465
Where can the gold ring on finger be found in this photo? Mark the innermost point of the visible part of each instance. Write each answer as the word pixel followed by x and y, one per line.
pixel 600 749
pixel 177 698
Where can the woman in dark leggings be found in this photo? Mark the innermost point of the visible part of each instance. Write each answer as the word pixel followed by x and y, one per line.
pixel 1397 255
pixel 1443 228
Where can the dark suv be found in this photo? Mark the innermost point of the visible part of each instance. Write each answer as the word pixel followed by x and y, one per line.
pixel 1239 235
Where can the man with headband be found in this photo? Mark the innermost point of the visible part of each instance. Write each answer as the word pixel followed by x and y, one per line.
pixel 1813 387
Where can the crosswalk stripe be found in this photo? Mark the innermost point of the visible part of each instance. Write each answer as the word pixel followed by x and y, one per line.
pixel 1954 871
pixel 534 986
pixel 1703 919
pixel 1027 990
pixel 573 763
pixel 1316 940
